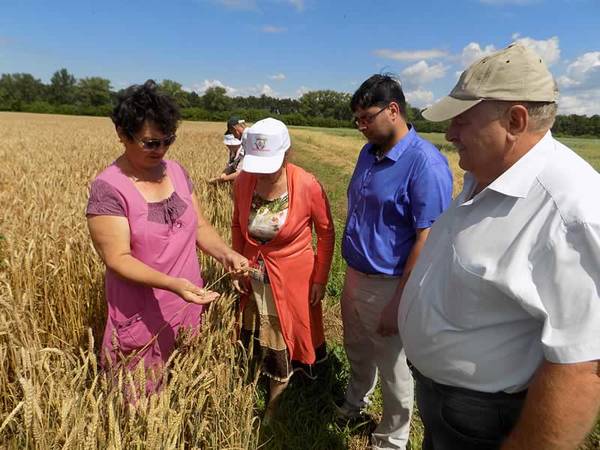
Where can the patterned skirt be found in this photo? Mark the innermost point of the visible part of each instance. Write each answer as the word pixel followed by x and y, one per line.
pixel 261 332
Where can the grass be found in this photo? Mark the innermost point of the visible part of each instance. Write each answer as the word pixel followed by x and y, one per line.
pixel 52 308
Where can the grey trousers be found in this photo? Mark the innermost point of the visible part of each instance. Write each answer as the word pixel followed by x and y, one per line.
pixel 369 353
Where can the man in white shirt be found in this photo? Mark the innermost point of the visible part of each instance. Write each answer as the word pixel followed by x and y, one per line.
pixel 501 315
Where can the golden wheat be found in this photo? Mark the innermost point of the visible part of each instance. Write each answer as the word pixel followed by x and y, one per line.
pixel 52 308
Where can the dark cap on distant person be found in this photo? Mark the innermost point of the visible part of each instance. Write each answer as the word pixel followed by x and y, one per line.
pixel 233 121
pixel 515 73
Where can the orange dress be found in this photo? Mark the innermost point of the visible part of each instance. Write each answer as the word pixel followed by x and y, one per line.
pixel 289 258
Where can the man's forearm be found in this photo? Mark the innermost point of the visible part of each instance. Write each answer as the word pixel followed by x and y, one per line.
pixel 410 263
pixel 560 410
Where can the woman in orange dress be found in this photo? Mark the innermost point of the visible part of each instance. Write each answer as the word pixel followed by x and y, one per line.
pixel 277 204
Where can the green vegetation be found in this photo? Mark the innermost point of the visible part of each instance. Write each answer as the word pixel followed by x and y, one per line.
pixel 93 96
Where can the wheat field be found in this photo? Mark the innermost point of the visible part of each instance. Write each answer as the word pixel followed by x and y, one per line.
pixel 52 309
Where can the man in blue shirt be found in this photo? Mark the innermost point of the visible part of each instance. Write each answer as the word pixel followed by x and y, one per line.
pixel 401 184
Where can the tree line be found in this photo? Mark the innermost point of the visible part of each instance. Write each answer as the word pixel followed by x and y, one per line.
pixel 65 94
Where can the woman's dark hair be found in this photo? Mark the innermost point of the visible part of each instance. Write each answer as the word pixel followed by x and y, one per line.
pixel 379 90
pixel 140 103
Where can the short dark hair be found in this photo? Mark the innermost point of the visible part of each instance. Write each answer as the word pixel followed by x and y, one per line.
pixel 379 90
pixel 140 103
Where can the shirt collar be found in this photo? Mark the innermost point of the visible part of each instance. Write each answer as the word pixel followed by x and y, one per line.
pixel 397 150
pixel 517 180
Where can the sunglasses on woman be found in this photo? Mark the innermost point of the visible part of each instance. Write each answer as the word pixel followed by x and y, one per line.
pixel 155 144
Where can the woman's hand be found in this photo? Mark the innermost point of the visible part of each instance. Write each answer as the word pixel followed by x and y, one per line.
pixel 317 293
pixel 236 263
pixel 240 284
pixel 192 293
pixel 218 179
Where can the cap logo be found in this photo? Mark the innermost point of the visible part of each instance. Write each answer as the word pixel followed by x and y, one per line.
pixel 260 142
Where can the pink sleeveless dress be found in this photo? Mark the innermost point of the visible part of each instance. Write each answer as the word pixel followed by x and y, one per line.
pixel 143 322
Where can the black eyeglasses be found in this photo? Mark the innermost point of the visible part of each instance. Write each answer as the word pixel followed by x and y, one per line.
pixel 154 144
pixel 369 118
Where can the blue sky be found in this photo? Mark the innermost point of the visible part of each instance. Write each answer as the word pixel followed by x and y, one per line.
pixel 286 47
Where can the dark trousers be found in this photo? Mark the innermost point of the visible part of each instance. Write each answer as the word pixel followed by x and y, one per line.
pixel 462 419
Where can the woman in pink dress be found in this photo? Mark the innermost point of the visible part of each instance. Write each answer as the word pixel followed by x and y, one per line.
pixel 145 223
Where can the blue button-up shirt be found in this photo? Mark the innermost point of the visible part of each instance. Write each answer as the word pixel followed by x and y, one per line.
pixel 389 199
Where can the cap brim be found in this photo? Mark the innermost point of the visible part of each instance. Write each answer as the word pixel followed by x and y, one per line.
pixel 262 164
pixel 447 108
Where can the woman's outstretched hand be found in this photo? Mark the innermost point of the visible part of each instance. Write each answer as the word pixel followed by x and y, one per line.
pixel 192 293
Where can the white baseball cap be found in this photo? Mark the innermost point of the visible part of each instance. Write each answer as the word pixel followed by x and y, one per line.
pixel 265 144
pixel 230 140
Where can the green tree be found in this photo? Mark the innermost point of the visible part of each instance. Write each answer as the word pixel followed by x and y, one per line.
pixel 63 88
pixel 326 103
pixel 174 89
pixel 18 89
pixel 94 91
pixel 215 99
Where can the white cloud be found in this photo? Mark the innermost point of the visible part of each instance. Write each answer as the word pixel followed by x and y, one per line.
pixel 419 98
pixel 243 91
pixel 265 89
pixel 302 90
pixel 422 73
pixel 548 49
pixel 256 91
pixel 200 88
pixel 473 51
pixel 278 77
pixel 582 73
pixel 584 102
pixel 409 55
pixel 273 29
pixel 580 86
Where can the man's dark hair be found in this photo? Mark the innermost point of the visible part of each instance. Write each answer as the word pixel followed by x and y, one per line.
pixel 379 90
pixel 140 103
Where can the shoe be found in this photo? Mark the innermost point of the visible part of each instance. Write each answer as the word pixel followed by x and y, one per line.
pixel 348 412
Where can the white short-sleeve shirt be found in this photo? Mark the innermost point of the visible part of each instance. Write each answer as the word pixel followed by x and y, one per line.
pixel 509 277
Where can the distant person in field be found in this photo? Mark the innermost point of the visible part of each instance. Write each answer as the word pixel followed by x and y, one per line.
pixel 277 206
pixel 501 315
pixel 145 222
pixel 237 126
pixel 236 155
pixel 400 186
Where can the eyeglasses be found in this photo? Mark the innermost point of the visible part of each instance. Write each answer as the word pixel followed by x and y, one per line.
pixel 369 118
pixel 154 144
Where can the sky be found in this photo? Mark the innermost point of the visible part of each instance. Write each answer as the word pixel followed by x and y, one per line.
pixel 284 48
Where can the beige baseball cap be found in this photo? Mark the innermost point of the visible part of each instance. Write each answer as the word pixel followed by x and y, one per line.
pixel 515 73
